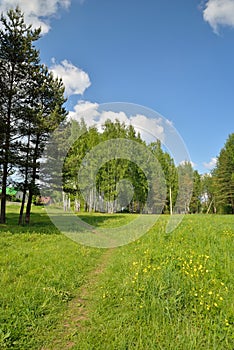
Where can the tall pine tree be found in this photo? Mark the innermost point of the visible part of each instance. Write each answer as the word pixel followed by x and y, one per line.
pixel 18 57
pixel 31 106
pixel 224 177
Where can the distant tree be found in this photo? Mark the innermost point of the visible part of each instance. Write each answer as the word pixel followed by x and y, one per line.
pixel 172 182
pixel 208 201
pixel 169 173
pixel 87 140
pixel 185 187
pixel 224 177
pixel 195 203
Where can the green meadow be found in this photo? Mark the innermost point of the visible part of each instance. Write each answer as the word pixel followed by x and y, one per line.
pixel 163 291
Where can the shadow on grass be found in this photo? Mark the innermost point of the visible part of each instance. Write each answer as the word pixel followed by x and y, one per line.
pixel 103 220
pixel 40 221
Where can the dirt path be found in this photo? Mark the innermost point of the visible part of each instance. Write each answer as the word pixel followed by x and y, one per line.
pixel 77 310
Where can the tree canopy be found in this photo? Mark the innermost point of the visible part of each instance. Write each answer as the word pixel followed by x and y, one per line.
pixel 223 177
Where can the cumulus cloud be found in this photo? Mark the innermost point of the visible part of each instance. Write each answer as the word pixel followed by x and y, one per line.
pixel 86 110
pixel 150 129
pixel 121 116
pixel 36 12
pixel 211 164
pixel 75 80
pixel 93 116
pixel 219 13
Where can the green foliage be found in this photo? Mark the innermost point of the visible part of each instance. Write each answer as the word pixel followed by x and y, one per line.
pixel 31 101
pixel 113 191
pixel 224 178
pixel 195 203
pixel 17 60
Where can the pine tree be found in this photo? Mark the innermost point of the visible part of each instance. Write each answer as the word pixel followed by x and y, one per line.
pixel 31 106
pixel 48 112
pixel 195 203
pixel 18 57
pixel 224 177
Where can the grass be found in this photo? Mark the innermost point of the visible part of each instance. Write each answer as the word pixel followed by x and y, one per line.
pixel 41 271
pixel 163 291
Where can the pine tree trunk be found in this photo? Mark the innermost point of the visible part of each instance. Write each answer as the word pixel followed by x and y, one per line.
pixel 3 196
pixel 22 207
pixel 7 149
pixel 25 182
pixel 28 208
pixel 34 174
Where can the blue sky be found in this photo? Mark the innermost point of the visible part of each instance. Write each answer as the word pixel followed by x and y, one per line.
pixel 175 57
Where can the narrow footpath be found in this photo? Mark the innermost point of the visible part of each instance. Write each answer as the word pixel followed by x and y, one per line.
pixel 77 310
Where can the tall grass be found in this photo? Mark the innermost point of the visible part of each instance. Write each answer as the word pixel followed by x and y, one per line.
pixel 163 291
pixel 167 291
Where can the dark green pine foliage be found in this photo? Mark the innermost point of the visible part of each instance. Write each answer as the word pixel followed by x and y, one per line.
pixel 224 178
pixel 195 203
pixel 31 107
pixel 18 57
pixel 47 112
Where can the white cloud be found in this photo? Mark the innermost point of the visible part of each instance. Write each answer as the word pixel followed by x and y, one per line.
pixel 219 13
pixel 211 164
pixel 75 80
pixel 90 112
pixel 36 12
pixel 150 129
pixel 183 162
pixel 86 110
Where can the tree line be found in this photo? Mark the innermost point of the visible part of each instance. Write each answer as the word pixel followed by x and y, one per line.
pixel 170 188
pixel 130 176
pixel 32 108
